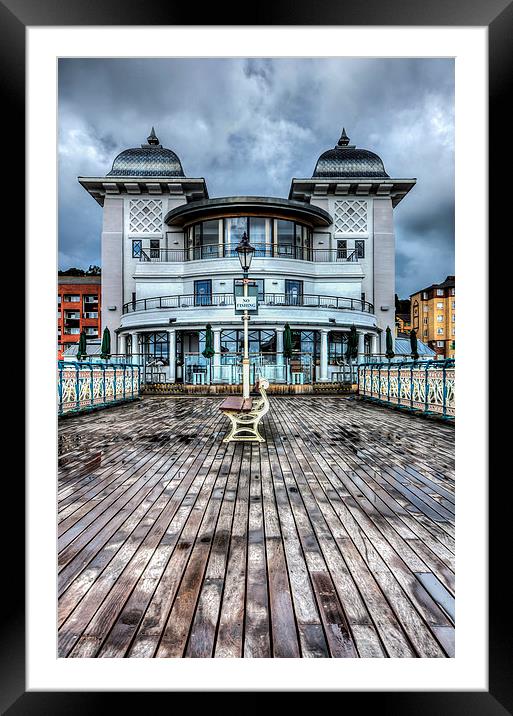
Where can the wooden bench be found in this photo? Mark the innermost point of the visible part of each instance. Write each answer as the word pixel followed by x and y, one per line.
pixel 245 414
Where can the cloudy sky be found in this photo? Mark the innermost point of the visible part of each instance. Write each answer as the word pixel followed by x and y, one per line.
pixel 249 126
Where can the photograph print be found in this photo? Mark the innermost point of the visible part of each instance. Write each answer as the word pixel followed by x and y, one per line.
pixel 256 346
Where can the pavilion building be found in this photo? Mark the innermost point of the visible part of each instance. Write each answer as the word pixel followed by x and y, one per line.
pixel 324 261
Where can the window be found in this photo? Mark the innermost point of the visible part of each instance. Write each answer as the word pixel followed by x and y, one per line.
pixel 156 345
pixel 203 292
pixel 136 248
pixel 440 331
pixel 425 321
pixel 91 298
pixel 263 341
pixel 285 238
pixel 453 331
pixel 257 235
pixel 91 331
pixel 424 296
pixel 59 299
pixel 72 331
pixel 425 332
pixel 154 248
pixel 453 291
pixel 439 292
pixel 454 304
pixel 293 292
pixel 91 314
pixel 453 317
pixel 359 246
pixel 439 304
pixel 337 342
pixel 439 319
pixel 341 249
pixel 71 298
pixel 234 228
pixel 440 344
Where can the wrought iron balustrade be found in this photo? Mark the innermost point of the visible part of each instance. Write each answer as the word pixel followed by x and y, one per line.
pixel 223 300
pixel 83 385
pixel 427 386
pixel 218 251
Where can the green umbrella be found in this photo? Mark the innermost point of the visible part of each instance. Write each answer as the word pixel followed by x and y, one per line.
pixel 287 342
pixel 209 351
pixel 352 344
pixel 413 345
pixel 105 350
pixel 82 346
pixel 389 344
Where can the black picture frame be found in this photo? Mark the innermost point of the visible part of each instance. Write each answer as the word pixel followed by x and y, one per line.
pixel 497 15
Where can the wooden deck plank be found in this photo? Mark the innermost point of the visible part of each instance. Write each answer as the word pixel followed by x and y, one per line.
pixel 334 538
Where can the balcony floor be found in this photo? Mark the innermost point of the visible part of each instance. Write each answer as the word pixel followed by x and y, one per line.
pixel 335 538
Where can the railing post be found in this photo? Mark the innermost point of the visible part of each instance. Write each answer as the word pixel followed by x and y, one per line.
pixel 77 384
pixel 411 385
pixel 426 387
pixel 104 384
pixel 399 385
pixel 59 387
pixel 388 393
pixel 91 378
pixel 444 389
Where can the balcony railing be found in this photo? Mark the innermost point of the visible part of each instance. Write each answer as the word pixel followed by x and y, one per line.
pixel 299 253
pixel 223 300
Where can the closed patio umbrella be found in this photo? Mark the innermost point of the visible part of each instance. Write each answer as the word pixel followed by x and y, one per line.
pixel 209 351
pixel 287 342
pixel 389 344
pixel 82 346
pixel 105 349
pixel 352 344
pixel 413 345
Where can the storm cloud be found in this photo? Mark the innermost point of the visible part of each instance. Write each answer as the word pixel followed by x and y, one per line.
pixel 249 126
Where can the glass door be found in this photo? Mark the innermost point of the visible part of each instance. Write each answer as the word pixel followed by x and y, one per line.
pixel 293 292
pixel 203 293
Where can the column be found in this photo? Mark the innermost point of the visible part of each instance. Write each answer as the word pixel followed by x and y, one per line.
pixel 280 361
pixel 135 347
pixel 171 376
pixel 324 355
pixel 374 344
pixel 361 347
pixel 216 377
pixel 122 344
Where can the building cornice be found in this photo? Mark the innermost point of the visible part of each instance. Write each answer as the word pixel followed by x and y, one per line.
pixel 302 190
pixel 100 187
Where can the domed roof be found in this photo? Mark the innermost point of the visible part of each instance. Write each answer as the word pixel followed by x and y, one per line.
pixel 148 160
pixel 346 160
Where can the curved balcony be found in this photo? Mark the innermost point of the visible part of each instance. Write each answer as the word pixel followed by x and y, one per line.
pixel 199 253
pixel 226 300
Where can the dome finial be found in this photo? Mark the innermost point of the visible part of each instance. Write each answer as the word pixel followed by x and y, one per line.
pixel 344 139
pixel 153 139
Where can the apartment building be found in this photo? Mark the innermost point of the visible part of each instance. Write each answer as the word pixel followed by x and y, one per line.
pixel 433 317
pixel 78 308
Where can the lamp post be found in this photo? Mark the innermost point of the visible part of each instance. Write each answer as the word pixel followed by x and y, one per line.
pixel 245 252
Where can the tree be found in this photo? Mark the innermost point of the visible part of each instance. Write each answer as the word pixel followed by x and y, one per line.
pixel 93 271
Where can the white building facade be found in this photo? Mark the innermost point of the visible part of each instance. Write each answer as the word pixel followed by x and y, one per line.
pixel 324 261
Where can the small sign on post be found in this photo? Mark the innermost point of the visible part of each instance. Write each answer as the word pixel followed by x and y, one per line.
pixel 247 303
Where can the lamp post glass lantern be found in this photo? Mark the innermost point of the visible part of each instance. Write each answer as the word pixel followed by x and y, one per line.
pixel 245 252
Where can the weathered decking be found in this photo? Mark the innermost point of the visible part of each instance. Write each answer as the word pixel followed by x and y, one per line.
pixel 334 538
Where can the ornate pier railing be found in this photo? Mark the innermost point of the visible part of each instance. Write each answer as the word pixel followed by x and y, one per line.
pixel 426 386
pixel 83 385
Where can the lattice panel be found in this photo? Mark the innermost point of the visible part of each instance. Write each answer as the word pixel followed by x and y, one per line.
pixel 146 216
pixel 351 217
